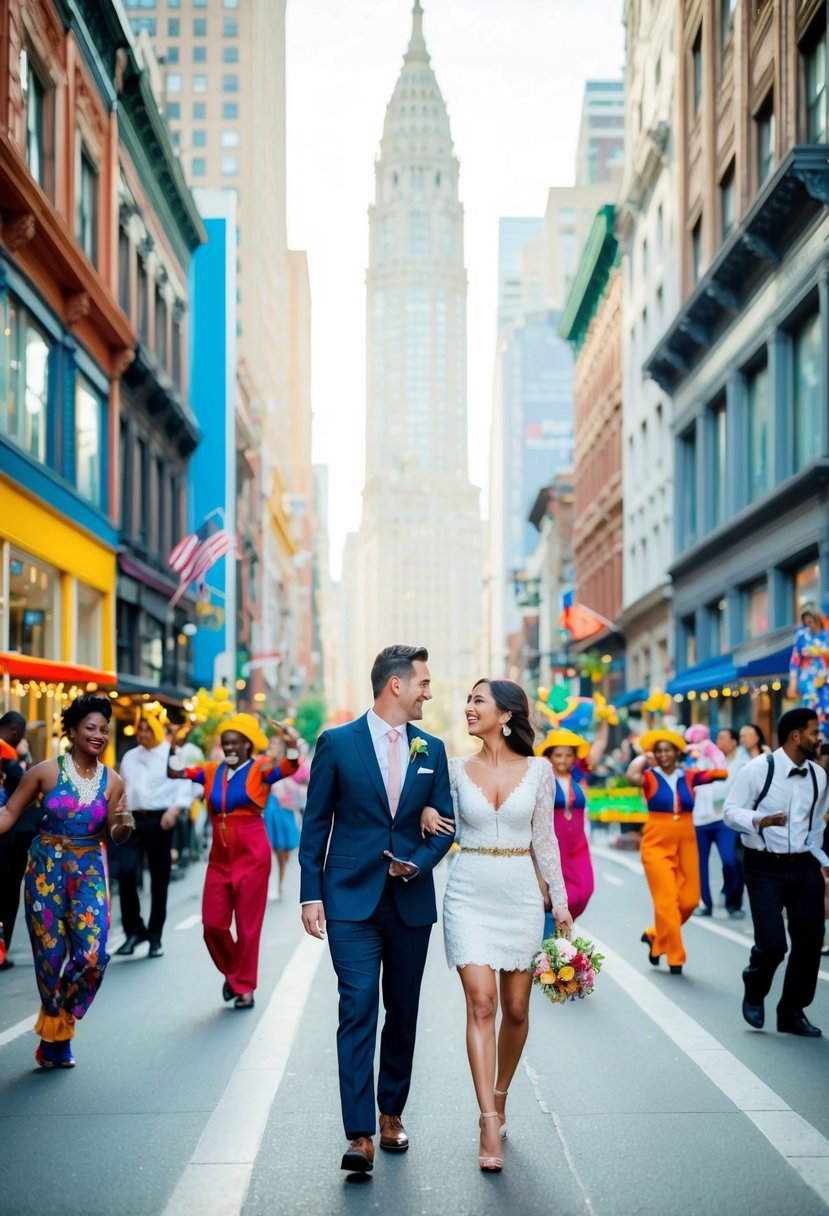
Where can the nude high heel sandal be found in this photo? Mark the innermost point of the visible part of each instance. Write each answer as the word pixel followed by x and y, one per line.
pixel 502 1114
pixel 492 1165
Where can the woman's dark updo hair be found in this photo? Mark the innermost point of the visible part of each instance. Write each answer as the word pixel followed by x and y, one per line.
pixel 511 699
pixel 82 707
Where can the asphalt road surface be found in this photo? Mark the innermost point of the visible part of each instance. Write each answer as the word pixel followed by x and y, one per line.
pixel 652 1096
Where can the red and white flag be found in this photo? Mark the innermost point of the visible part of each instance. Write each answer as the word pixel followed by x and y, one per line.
pixel 195 554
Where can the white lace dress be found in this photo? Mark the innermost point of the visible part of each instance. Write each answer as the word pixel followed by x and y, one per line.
pixel 493 912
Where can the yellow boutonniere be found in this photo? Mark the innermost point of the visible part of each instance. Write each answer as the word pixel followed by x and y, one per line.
pixel 418 747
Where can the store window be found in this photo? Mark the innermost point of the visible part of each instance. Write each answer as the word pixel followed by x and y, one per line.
pixel 814 64
pixel 806 390
pixel 33 592
pixel 806 587
pixel 38 99
pixel 89 606
pixel 764 123
pixel 86 207
pixel 756 597
pixel 757 408
pixel 688 477
pixel 24 379
pixel 151 659
pixel 89 447
pixel 719 463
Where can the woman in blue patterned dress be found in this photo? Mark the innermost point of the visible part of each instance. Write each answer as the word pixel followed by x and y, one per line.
pixel 66 888
pixel 809 664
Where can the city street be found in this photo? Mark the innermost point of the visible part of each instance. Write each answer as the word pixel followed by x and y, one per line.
pixel 652 1096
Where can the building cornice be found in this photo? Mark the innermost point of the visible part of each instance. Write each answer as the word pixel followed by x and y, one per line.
pixel 600 255
pixel 785 207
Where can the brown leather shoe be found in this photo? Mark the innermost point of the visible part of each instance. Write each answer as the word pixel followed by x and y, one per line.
pixel 393 1136
pixel 359 1156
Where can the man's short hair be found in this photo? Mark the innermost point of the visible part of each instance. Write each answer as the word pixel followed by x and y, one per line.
pixel 397 660
pixel 794 719
pixel 14 722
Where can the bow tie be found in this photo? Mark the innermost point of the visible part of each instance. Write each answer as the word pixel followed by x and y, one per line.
pixel 798 772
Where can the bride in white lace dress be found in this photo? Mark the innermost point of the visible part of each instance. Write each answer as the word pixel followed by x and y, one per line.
pixel 493 910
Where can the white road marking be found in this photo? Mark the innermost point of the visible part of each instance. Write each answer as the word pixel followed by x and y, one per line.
pixel 697 922
pixel 19 1028
pixel 799 1143
pixel 218 1175
pixel 613 879
pixel 190 922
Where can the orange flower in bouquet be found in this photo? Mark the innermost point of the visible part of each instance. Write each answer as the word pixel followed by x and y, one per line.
pixel 565 970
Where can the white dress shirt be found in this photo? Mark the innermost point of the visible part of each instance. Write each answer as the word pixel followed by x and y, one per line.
pixel 144 773
pixel 794 795
pixel 379 731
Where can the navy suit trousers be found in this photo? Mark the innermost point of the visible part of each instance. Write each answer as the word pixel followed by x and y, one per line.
pixel 362 952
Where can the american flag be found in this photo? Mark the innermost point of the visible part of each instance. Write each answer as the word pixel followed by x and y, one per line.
pixel 195 554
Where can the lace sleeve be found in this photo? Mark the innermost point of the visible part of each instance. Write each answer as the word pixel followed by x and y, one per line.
pixel 453 784
pixel 545 845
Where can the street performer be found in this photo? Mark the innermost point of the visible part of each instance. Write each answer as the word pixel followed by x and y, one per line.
pixel 238 869
pixel 778 803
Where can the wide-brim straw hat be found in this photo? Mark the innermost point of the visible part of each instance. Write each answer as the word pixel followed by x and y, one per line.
pixel 246 724
pixel 563 738
pixel 649 740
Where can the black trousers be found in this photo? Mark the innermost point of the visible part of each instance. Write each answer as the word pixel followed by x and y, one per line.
pixel 148 839
pixel 790 883
pixel 14 853
pixel 360 952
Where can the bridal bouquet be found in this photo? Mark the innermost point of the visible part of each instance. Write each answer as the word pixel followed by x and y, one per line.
pixel 565 969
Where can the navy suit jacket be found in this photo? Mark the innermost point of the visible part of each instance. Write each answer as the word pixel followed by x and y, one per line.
pixel 347 826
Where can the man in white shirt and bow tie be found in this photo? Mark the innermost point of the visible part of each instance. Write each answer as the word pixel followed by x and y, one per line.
pixel 778 803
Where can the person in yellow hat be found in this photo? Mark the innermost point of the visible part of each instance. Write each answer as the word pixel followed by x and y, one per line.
pixel 572 757
pixel 669 843
pixel 238 869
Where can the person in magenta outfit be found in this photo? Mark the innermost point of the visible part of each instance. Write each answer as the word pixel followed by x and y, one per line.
pixel 66 888
pixel 236 884
pixel 571 758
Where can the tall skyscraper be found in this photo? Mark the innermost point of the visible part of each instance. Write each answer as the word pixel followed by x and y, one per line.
pixel 416 569
pixel 600 151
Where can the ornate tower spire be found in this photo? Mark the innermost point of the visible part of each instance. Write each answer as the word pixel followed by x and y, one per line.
pixel 417 43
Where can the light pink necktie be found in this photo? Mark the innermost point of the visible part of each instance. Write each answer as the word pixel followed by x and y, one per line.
pixel 394 771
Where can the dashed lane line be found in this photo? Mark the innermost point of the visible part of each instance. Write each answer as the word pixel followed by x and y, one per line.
pixel 189 922
pixel 800 1144
pixel 216 1179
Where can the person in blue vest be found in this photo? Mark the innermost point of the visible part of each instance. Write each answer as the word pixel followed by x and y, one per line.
pixel 366 883
pixel 778 802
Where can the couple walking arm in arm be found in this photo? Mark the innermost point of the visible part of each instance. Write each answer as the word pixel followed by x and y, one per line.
pixel 367 886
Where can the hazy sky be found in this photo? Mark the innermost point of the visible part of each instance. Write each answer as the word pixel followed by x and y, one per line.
pixel 512 73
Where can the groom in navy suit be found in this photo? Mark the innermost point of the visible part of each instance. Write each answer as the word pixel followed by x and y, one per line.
pixel 367 882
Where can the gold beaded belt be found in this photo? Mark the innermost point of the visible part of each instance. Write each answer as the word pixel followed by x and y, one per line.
pixel 497 852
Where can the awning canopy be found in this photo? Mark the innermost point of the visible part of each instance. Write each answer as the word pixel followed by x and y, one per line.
pixel 29 667
pixel 774 664
pixel 712 673
pixel 631 697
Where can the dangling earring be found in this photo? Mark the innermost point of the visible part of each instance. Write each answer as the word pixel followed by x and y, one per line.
pixel 506 730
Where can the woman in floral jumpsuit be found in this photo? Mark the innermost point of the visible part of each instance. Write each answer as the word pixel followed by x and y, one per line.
pixel 66 888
